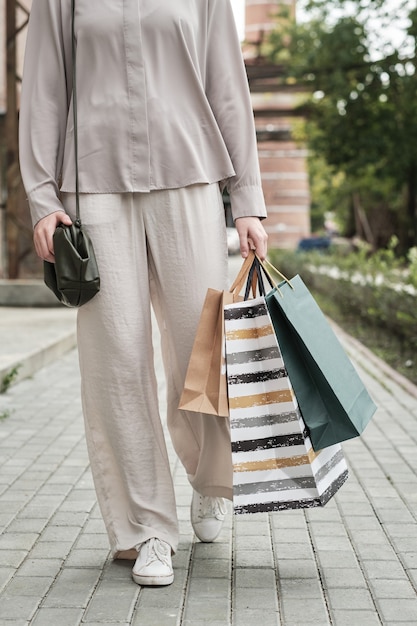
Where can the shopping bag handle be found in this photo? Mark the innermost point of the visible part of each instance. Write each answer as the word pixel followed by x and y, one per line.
pixel 255 279
pixel 242 276
pixel 267 274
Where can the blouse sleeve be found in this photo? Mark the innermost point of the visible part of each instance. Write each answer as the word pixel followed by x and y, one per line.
pixel 46 90
pixel 228 93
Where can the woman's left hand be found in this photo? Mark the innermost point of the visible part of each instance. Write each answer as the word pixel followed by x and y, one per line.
pixel 252 236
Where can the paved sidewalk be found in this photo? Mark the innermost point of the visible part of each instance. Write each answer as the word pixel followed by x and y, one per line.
pixel 354 562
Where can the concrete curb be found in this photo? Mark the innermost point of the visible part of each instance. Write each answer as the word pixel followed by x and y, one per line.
pixel 26 293
pixel 30 363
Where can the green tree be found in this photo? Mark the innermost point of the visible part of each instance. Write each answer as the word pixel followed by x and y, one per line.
pixel 362 112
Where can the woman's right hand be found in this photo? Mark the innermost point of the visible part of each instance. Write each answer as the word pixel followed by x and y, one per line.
pixel 44 232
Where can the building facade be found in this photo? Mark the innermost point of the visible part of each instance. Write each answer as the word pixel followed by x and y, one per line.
pixel 283 162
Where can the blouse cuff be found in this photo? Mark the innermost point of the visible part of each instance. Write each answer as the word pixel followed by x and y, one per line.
pixel 248 201
pixel 42 202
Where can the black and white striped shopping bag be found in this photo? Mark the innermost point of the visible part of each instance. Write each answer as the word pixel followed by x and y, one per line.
pixel 274 464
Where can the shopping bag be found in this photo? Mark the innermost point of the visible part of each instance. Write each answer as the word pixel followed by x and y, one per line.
pixel 332 398
pixel 274 465
pixel 205 386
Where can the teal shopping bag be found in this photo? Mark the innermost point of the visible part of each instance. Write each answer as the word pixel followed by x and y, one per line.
pixel 333 399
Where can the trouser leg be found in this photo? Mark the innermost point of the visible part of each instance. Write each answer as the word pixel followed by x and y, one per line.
pixel 188 253
pixel 124 435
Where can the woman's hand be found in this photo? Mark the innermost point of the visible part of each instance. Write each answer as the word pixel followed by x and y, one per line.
pixel 44 231
pixel 252 236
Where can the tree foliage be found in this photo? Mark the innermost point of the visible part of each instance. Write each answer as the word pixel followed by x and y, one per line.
pixel 362 110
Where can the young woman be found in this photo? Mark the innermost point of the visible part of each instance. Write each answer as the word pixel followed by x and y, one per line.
pixel 164 124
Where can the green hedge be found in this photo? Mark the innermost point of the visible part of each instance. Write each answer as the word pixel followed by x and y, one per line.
pixel 373 299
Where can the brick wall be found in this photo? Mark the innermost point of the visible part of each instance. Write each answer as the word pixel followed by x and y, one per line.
pixel 283 162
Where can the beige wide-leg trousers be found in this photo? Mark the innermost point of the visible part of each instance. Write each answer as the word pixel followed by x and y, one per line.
pixel 163 248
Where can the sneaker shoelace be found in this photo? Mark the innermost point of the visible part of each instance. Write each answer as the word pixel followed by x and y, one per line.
pixel 158 551
pixel 212 507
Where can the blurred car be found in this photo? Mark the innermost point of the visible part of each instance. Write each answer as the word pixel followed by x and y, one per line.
pixel 233 241
pixel 314 243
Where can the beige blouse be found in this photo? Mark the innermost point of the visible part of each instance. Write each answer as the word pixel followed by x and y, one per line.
pixel 163 101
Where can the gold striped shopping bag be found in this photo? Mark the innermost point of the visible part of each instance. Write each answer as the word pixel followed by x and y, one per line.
pixel 274 465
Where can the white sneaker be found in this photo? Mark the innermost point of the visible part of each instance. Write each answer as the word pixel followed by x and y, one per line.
pixel 153 566
pixel 207 516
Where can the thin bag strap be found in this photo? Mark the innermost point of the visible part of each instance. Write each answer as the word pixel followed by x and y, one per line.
pixel 75 117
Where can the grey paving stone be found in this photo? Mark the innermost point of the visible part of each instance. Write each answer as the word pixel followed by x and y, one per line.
pixel 29 586
pixel 409 559
pixel 304 588
pixel 401 530
pixel 248 598
pixel 51 550
pixel 245 617
pixel 297 568
pixel 344 578
pixel 117 569
pixel 12 558
pixel 87 558
pixel 360 509
pixel 254 577
pixel 17 607
pixel 113 599
pixel 17 541
pixel 335 544
pixel 27 525
pixel 253 558
pixel 209 587
pixel 92 525
pixel 393 609
pixel 338 559
pixel 216 568
pixel 295 611
pixel 253 542
pixel 48 617
pixel 39 567
pixel 404 544
pixel 368 537
pixel 211 550
pixel 392 589
pixel 92 542
pixel 181 560
pixel 208 622
pixel 60 533
pixel 291 520
pixel 110 623
pixel 155 617
pixel 358 599
pixel 377 552
pixel 356 618
pixel 72 589
pixel 387 570
pixel 252 524
pixel 168 597
pixel 327 529
pixel 6 574
pixel 197 608
pixel 293 551
pixel 290 535
pixel 412 573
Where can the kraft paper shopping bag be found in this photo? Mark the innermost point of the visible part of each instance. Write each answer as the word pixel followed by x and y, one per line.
pixel 205 386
